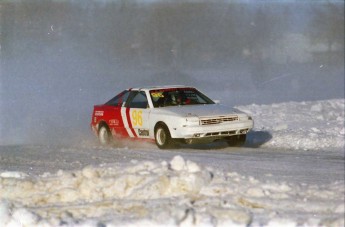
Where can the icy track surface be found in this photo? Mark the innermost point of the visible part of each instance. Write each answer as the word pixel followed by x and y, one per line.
pixel 290 173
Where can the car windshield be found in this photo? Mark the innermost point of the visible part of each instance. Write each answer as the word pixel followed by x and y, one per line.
pixel 178 96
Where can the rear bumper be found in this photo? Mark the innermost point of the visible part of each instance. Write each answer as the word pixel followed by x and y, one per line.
pixel 209 131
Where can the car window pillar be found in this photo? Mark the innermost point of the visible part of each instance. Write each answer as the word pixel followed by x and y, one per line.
pixel 149 100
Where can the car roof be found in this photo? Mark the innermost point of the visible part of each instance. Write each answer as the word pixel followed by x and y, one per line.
pixel 160 87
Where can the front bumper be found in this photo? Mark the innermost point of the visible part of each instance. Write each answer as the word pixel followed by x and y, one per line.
pixel 209 131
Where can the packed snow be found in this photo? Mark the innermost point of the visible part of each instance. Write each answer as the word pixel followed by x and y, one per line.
pixel 175 190
pixel 301 125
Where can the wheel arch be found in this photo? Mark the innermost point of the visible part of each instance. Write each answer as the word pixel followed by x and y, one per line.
pixel 171 131
pixel 102 123
pixel 169 142
pixel 159 123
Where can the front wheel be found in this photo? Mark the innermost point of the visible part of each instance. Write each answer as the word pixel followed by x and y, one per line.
pixel 237 141
pixel 104 135
pixel 163 138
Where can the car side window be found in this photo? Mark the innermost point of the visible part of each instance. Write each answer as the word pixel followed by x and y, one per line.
pixel 138 100
pixel 119 99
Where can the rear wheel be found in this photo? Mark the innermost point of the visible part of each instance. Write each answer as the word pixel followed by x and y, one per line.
pixel 163 137
pixel 237 141
pixel 104 135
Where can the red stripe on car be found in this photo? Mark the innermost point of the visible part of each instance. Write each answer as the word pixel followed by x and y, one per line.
pixel 130 122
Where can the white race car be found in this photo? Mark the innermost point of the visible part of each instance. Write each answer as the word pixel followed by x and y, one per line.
pixel 169 115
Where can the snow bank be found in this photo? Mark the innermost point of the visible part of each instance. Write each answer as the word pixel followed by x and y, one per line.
pixel 175 193
pixel 300 125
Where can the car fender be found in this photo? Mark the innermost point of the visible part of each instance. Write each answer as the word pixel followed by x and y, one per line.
pixel 173 123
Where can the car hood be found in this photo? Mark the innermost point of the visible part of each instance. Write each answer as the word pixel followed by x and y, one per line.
pixel 200 110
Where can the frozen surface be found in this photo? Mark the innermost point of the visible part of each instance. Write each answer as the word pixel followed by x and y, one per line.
pixel 290 173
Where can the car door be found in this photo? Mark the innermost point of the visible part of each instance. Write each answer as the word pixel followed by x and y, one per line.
pixel 112 114
pixel 136 112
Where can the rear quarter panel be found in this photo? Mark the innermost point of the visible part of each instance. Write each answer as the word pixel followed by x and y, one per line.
pixel 111 115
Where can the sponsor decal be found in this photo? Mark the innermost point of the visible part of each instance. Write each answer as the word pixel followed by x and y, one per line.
pixel 143 132
pixel 157 94
pixel 114 122
pixel 99 113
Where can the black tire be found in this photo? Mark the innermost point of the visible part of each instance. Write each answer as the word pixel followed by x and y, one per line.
pixel 237 141
pixel 162 137
pixel 104 135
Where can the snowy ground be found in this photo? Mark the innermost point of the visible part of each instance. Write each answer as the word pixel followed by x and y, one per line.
pixel 290 173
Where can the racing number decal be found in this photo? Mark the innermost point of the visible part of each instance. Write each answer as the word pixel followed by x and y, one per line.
pixel 137 119
pixel 133 121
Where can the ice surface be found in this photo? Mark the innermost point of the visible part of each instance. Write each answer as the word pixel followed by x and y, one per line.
pixel 181 192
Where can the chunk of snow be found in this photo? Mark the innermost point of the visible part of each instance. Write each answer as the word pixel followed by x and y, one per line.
pixel 18 175
pixel 178 163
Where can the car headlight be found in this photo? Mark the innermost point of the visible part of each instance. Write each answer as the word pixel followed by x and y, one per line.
pixel 246 118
